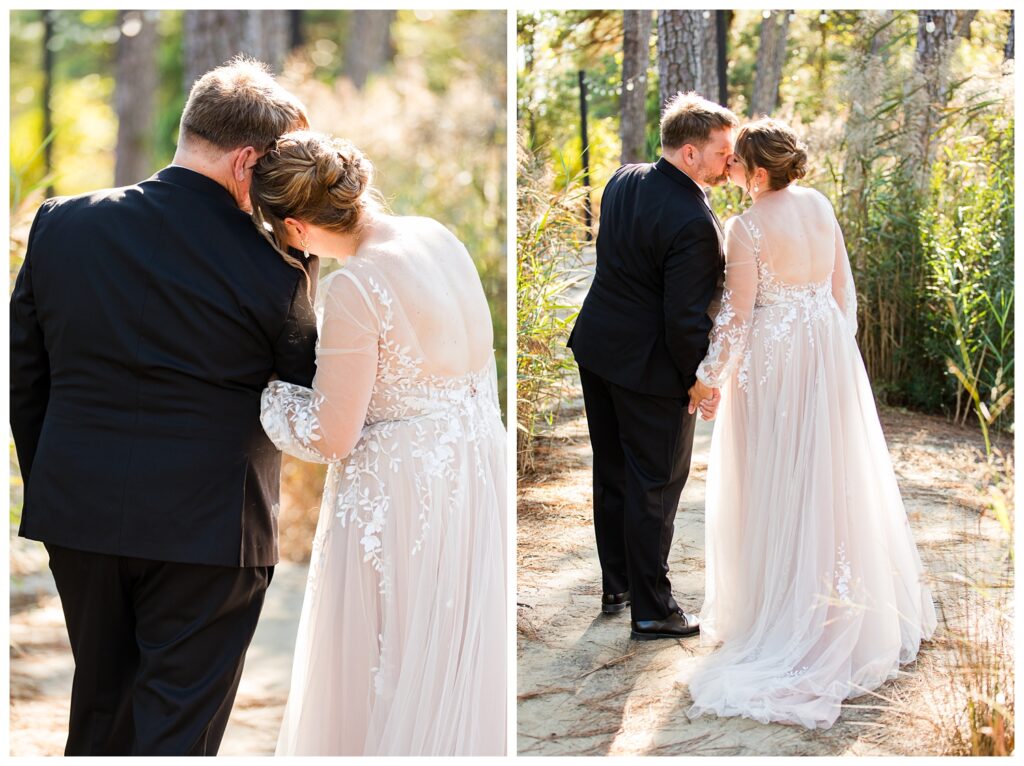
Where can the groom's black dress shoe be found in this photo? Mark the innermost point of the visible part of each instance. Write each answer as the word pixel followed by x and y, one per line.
pixel 614 602
pixel 676 625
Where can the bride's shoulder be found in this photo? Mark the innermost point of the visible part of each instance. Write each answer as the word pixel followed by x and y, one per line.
pixel 343 279
pixel 394 231
pixel 817 197
pixel 430 236
pixel 430 227
pixel 740 222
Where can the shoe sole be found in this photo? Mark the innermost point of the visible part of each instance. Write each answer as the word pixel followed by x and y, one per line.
pixel 654 636
pixel 613 608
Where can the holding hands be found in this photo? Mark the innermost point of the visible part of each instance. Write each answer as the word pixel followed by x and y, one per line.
pixel 704 398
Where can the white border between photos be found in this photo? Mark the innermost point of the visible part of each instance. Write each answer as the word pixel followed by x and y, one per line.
pixel 511 8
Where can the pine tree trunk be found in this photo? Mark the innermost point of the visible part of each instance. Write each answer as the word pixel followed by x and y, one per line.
pixel 708 51
pixel 963 26
pixel 771 55
pixel 135 87
pixel 687 53
pixel 46 99
pixel 369 48
pixel 214 37
pixel 1008 50
pixel 636 35
pixel 296 32
pixel 936 41
pixel 723 20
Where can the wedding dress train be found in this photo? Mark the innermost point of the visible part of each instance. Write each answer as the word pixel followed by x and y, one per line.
pixel 814 586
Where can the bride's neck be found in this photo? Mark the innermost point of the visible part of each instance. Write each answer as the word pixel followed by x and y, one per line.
pixel 343 245
pixel 755 196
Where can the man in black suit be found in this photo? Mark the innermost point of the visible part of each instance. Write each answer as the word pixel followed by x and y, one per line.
pixel 145 323
pixel 641 332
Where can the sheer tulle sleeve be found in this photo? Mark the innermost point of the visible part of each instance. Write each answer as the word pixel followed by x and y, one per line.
pixel 732 325
pixel 323 423
pixel 842 282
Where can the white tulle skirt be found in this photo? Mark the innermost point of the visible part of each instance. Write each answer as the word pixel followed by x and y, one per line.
pixel 814 585
pixel 401 642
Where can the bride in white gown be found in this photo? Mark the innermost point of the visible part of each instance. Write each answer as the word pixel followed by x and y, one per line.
pixel 814 586
pixel 401 641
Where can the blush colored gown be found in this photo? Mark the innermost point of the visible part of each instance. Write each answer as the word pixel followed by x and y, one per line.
pixel 401 640
pixel 814 586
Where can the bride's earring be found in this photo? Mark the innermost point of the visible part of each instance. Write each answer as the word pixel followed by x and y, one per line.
pixel 305 248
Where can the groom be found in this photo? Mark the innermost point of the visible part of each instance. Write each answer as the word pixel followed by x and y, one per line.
pixel 145 323
pixel 639 337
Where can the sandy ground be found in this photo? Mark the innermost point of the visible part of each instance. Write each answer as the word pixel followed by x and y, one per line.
pixel 42 667
pixel 584 688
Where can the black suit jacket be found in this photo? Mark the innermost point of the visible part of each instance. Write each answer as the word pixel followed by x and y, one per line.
pixel 644 323
pixel 145 323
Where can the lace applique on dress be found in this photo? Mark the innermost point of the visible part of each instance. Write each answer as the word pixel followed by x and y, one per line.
pixel 728 338
pixel 727 345
pixel 778 306
pixel 290 415
pixel 403 394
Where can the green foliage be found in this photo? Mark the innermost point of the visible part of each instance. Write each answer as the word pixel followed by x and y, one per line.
pixel 171 95
pixel 17 487
pixel 967 240
pixel 933 259
pixel 547 247
pixel 548 90
pixel 885 250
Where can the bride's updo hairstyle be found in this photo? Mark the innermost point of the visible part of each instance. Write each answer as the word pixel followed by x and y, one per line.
pixel 314 178
pixel 772 145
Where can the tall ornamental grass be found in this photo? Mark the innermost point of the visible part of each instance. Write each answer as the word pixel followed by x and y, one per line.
pixel 967 242
pixel 549 225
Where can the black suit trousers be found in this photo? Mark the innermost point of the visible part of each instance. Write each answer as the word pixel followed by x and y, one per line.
pixel 158 650
pixel 642 445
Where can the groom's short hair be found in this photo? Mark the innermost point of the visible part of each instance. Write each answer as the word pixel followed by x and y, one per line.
pixel 689 119
pixel 240 104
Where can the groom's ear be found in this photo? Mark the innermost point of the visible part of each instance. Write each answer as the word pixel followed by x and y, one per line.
pixel 243 161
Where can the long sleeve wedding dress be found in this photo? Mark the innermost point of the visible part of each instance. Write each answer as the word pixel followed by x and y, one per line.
pixel 814 586
pixel 401 641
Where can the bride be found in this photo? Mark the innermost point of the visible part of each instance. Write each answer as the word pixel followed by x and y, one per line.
pixel 401 642
pixel 813 584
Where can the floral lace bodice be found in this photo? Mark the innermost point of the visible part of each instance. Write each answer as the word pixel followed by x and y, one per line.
pixel 759 306
pixel 384 329
pixel 378 405
pixel 401 391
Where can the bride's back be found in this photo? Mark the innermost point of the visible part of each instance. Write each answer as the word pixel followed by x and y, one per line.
pixel 797 234
pixel 428 293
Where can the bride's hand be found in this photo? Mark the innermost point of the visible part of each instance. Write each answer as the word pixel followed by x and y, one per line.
pixel 705 398
pixel 708 407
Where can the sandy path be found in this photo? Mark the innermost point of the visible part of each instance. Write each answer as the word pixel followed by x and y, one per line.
pixel 42 667
pixel 586 688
